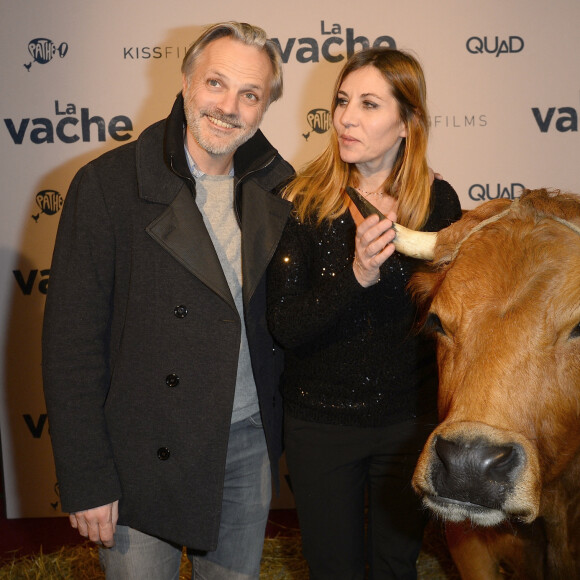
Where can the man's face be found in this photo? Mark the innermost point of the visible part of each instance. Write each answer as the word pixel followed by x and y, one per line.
pixel 226 96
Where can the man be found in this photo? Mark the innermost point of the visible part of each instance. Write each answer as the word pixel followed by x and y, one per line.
pixel 160 377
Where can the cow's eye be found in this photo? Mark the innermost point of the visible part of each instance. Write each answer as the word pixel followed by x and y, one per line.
pixel 433 324
pixel 575 331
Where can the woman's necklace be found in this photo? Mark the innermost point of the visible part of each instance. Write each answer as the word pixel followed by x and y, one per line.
pixel 368 193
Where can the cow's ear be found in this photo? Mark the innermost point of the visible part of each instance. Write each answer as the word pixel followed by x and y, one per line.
pixel 423 286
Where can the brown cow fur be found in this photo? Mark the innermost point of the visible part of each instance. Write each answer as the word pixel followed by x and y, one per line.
pixel 509 363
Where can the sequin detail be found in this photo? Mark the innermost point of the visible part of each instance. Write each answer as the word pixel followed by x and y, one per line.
pixel 352 357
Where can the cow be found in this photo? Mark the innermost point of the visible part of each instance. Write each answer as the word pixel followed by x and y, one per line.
pixel 501 295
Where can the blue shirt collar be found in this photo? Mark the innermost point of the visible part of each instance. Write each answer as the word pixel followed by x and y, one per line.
pixel 195 170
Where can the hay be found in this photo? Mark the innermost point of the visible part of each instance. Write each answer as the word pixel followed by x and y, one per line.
pixel 78 563
pixel 281 560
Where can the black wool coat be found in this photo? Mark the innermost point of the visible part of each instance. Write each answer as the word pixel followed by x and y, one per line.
pixel 141 334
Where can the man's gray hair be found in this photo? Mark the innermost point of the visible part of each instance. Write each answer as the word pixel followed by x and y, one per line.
pixel 249 35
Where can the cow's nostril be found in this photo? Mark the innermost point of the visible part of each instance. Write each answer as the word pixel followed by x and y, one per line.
pixel 499 462
pixel 474 470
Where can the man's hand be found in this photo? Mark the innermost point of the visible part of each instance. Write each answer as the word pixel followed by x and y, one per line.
pixel 97 524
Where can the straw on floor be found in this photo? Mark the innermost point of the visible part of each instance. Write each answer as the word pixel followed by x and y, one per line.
pixel 282 560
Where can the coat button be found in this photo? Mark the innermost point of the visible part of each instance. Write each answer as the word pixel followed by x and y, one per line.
pixel 163 453
pixel 180 311
pixel 172 380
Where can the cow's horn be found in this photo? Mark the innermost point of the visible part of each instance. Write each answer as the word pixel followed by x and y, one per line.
pixel 415 244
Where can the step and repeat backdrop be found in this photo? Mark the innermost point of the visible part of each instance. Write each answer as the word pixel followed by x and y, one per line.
pixel 80 78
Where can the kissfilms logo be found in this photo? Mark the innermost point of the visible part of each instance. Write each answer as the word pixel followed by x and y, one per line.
pixel 153 52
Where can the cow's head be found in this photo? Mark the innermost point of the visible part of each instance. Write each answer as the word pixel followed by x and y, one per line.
pixel 502 295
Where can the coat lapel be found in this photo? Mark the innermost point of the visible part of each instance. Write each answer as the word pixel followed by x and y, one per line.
pixel 263 219
pixel 181 231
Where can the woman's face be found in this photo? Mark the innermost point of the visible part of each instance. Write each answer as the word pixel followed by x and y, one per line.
pixel 367 121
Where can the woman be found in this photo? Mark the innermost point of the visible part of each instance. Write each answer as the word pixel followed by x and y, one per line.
pixel 359 384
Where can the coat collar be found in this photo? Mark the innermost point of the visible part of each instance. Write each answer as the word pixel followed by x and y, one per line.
pixel 164 178
pixel 249 157
pixel 161 148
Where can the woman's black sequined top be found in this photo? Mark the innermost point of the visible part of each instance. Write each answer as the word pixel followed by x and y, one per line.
pixel 352 355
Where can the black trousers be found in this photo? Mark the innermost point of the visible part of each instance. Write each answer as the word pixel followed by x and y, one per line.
pixel 333 471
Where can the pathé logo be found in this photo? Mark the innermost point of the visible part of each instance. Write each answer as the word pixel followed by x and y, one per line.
pixel 49 201
pixel 319 121
pixel 43 49
pixel 310 49
pixel 484 191
pixel 477 45
pixel 55 504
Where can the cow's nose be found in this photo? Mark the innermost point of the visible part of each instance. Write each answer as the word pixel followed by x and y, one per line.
pixel 475 471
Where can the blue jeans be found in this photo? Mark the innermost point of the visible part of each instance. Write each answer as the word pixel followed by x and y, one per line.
pixel 245 506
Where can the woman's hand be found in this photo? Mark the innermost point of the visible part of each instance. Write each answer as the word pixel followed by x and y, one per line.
pixel 373 245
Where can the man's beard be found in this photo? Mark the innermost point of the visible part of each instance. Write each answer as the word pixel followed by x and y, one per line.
pixel 215 145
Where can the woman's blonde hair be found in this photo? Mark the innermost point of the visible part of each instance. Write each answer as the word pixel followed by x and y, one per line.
pixel 318 190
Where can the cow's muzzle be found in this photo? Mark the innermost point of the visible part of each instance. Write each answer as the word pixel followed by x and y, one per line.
pixel 478 476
